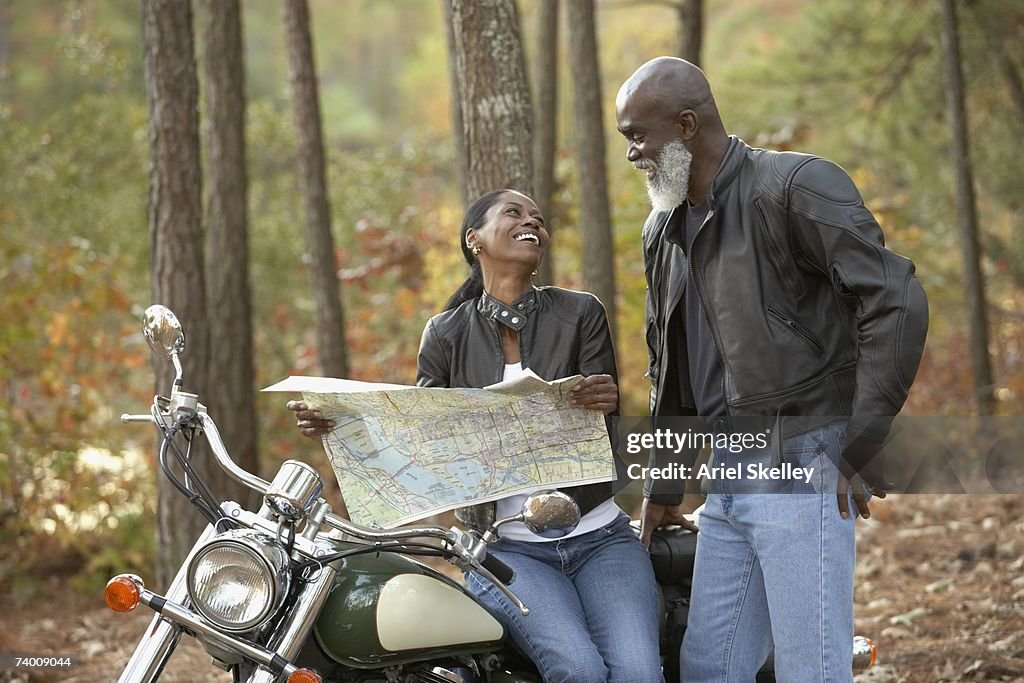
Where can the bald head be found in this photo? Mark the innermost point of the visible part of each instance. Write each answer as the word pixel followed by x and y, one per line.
pixel 669 85
pixel 673 130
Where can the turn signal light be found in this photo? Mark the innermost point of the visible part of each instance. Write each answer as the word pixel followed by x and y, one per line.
pixel 304 676
pixel 865 652
pixel 122 593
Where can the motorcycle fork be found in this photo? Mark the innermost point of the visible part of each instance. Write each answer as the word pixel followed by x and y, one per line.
pixel 293 632
pixel 158 643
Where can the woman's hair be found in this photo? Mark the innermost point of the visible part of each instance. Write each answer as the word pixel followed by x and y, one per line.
pixel 475 216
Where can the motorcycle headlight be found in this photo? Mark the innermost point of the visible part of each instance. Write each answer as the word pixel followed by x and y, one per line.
pixel 239 580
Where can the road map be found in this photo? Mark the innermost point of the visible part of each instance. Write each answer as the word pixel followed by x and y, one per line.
pixel 402 453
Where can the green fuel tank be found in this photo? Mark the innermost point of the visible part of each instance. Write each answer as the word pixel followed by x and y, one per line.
pixel 387 609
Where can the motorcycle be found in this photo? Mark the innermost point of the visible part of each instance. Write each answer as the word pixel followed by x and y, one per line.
pixel 293 592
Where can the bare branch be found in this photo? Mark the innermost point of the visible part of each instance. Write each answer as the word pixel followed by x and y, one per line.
pixel 900 66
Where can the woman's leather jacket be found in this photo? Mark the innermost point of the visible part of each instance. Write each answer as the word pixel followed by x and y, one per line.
pixel 561 333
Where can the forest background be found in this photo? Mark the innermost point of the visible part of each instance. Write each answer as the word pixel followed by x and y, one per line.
pixel 861 83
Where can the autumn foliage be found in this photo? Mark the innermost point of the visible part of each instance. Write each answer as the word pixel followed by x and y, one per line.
pixel 862 85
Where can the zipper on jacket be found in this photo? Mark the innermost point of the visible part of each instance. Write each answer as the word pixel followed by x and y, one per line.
pixel 501 352
pixel 797 329
pixel 695 276
pixel 661 320
pixel 777 253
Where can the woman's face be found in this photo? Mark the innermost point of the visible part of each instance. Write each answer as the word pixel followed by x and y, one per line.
pixel 513 232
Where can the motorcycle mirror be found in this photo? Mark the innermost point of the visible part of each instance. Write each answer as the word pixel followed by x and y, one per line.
pixel 551 514
pixel 163 331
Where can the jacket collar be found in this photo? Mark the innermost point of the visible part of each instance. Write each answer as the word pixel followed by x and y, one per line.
pixel 513 316
pixel 733 159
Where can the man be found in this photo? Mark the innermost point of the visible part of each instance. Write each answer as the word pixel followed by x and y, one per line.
pixel 776 315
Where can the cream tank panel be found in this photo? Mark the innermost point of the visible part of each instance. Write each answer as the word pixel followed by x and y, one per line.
pixel 406 598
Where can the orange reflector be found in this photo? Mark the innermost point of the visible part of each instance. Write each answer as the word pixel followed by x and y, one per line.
pixel 304 676
pixel 121 594
pixel 874 653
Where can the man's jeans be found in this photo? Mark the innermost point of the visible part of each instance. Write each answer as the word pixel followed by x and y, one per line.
pixel 593 605
pixel 774 565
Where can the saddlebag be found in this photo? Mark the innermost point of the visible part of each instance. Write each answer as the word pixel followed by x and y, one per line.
pixel 672 553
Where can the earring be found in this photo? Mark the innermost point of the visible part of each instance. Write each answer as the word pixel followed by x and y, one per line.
pixel 476 250
pixel 534 273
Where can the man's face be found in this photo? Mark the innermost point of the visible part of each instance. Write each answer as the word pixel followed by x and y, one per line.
pixel 654 145
pixel 668 177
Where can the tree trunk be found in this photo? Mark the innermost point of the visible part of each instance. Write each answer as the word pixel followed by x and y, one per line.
pixel 691 30
pixel 330 322
pixel 595 215
pixel 495 96
pixel 545 126
pixel 175 226
pixel 974 282
pixel 461 162
pixel 231 396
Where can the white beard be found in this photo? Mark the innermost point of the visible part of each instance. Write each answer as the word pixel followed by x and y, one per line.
pixel 668 186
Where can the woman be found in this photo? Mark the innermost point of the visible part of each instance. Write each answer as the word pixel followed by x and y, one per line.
pixel 591 594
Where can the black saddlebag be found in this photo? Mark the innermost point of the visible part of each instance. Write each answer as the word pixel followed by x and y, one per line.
pixel 672 553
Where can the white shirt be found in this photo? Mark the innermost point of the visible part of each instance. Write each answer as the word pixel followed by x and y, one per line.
pixel 600 516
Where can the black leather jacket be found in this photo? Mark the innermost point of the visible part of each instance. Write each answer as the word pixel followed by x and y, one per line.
pixel 561 333
pixel 811 314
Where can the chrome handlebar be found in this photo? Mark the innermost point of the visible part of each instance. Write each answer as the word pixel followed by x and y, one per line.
pixel 220 452
pixel 469 556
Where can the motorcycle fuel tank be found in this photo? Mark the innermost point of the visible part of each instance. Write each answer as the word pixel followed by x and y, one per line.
pixel 387 609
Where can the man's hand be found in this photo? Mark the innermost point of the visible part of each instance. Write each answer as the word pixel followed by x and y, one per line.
pixel 654 516
pixel 864 459
pixel 597 392
pixel 860 495
pixel 311 423
pixel 863 472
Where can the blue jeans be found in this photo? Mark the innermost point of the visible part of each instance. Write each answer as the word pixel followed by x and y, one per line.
pixel 774 566
pixel 593 605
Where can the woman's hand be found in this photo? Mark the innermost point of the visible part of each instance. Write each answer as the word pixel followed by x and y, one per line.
pixel 597 392
pixel 310 422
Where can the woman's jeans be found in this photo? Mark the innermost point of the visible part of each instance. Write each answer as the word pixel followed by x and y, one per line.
pixel 593 605
pixel 774 566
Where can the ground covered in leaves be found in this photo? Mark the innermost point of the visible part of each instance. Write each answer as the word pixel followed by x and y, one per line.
pixel 940 588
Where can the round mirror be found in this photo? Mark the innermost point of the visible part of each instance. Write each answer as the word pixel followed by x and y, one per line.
pixel 163 331
pixel 551 514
